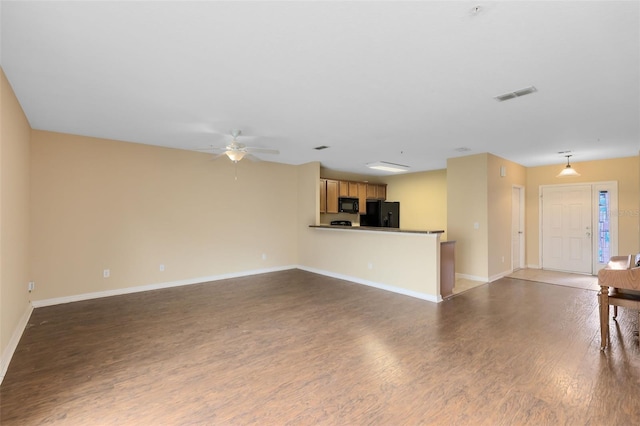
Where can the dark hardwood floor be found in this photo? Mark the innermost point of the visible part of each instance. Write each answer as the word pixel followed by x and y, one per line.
pixel 297 348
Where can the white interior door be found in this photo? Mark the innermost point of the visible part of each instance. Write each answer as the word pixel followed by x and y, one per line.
pixel 566 228
pixel 517 228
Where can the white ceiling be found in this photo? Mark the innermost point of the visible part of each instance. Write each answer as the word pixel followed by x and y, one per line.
pixel 404 82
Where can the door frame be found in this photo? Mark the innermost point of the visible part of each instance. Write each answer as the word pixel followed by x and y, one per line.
pixel 611 186
pixel 521 226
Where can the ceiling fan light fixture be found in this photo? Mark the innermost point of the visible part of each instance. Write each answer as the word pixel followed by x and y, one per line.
pixel 568 171
pixel 388 167
pixel 235 156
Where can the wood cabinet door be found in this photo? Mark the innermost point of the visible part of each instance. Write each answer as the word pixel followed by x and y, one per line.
pixel 382 192
pixel 372 191
pixel 362 197
pixel 353 189
pixel 343 188
pixel 332 196
pixel 323 195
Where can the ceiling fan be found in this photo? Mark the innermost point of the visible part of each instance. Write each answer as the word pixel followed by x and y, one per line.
pixel 236 151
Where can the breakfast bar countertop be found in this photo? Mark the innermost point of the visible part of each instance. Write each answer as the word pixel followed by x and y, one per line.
pixel 376 229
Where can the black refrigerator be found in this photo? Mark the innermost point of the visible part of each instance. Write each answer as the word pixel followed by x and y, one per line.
pixel 385 214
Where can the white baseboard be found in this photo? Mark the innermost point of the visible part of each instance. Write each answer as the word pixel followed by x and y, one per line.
pixel 490 279
pixel 472 277
pixel 158 286
pixel 498 276
pixel 8 352
pixel 393 289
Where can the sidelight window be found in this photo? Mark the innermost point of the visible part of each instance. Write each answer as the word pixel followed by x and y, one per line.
pixel 604 233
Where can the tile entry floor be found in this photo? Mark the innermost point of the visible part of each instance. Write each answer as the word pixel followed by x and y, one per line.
pixel 586 282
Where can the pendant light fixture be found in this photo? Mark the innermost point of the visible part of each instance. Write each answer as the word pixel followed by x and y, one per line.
pixel 568 170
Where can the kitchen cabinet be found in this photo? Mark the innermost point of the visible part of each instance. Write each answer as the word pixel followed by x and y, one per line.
pixel 343 188
pixel 323 195
pixel 332 196
pixel 382 192
pixel 353 189
pixel 362 197
pixel 376 191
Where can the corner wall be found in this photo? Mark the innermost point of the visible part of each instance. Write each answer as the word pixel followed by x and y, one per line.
pixel 467 214
pixel 14 221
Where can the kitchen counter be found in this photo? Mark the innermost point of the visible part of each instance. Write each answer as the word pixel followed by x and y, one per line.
pixel 375 229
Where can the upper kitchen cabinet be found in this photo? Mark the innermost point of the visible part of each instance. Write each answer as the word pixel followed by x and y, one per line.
pixel 376 191
pixel 362 197
pixel 332 196
pixel 323 195
pixel 348 189
pixel 343 188
pixel 353 189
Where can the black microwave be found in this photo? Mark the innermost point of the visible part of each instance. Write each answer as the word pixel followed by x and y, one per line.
pixel 348 205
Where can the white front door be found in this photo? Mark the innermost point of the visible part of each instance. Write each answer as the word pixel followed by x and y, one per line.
pixel 566 228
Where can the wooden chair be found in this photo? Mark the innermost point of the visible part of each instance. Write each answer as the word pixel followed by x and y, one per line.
pixel 619 286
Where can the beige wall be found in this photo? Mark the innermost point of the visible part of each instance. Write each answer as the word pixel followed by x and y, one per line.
pixel 623 170
pixel 423 199
pixel 479 213
pixel 467 205
pixel 101 204
pixel 14 218
pixel 500 189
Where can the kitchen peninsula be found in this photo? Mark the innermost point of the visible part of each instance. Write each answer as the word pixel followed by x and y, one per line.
pixel 410 262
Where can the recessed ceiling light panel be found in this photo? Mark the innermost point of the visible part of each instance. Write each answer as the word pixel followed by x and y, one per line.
pixel 388 167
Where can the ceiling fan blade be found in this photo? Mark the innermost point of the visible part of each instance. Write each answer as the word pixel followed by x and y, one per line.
pixel 212 149
pixel 215 157
pixel 261 150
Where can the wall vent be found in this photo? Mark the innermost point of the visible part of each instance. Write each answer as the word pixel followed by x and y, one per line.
pixel 515 94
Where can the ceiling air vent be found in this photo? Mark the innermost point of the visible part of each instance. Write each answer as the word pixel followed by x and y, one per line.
pixel 515 94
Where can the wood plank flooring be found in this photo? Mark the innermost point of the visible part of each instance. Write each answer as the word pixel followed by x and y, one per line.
pixel 295 348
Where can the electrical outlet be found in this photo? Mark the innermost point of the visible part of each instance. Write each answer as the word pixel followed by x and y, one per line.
pixel 161 268
pixel 370 265
pixel 106 273
pixel 264 256
pixel 31 286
